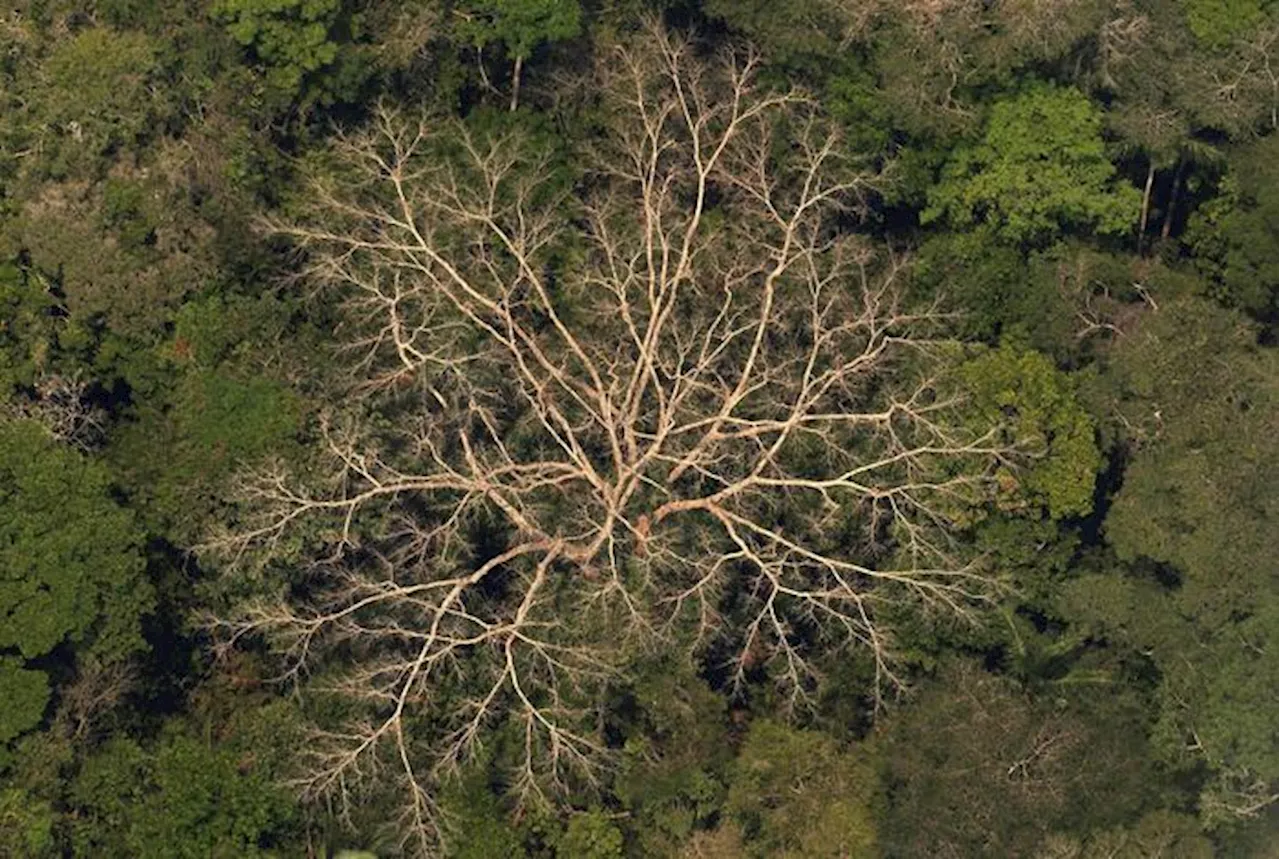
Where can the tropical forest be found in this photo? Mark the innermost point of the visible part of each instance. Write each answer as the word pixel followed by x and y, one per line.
pixel 613 429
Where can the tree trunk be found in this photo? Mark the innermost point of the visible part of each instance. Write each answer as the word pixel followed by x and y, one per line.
pixel 515 84
pixel 1146 205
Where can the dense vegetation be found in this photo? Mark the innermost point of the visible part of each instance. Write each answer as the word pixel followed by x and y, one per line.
pixel 689 428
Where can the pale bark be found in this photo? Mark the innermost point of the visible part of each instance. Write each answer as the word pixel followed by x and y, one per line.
pixel 673 379
pixel 1146 205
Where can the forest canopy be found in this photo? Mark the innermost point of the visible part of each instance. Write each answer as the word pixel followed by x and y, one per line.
pixel 664 428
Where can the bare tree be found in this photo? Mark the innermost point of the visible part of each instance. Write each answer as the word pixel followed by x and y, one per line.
pixel 98 688
pixel 61 405
pixel 587 408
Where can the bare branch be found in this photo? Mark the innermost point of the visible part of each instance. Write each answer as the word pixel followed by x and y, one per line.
pixel 602 407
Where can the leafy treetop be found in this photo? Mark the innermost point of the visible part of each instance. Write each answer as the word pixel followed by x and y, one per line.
pixel 70 565
pixel 72 570
pixel 1037 405
pixel 1040 166
pixel 519 24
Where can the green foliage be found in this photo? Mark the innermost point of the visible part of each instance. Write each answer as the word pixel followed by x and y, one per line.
pixel 26 824
pixel 208 803
pixel 1034 557
pixel 72 570
pixel 1040 168
pixel 70 567
pixel 124 210
pixel 677 747
pixel 1234 235
pixel 591 835
pixel 1171 86
pixel 804 46
pixel 1198 400
pixel 1195 517
pixel 101 88
pixel 25 698
pixel 797 794
pixel 210 330
pixel 1037 406
pixel 123 254
pixel 211 411
pixel 1216 23
pixel 1164 834
pixel 996 290
pixel 850 96
pixel 219 421
pixel 791 30
pixel 141 140
pixel 233 418
pixel 521 25
pixel 1057 300
pixel 29 333
pixel 973 766
pixel 182 799
pixel 476 824
pixel 291 37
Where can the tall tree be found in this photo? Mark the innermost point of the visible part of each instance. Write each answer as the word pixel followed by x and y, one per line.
pixel 602 415
pixel 1040 168
pixel 520 25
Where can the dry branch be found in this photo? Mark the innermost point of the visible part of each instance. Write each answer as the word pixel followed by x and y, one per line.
pixel 674 375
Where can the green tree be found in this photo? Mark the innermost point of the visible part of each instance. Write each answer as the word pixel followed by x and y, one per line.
pixel 26 696
pixel 124 255
pixel 26 823
pixel 70 554
pixel 71 569
pixel 520 25
pixel 1036 406
pixel 216 423
pixel 292 37
pixel 1233 236
pixel 934 65
pixel 1216 23
pixel 102 92
pixel 1194 399
pixel 798 794
pixel 974 766
pixel 1181 71
pixel 1158 835
pixel 476 824
pixel 182 799
pixel 32 340
pixel 590 835
pixel 987 281
pixel 305 48
pixel 1039 168
pixel 677 747
pixel 789 30
pixel 1058 300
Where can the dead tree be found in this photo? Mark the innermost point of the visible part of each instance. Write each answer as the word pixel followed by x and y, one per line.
pixel 669 375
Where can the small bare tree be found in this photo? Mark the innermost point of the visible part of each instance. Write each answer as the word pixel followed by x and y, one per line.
pixel 61 405
pixel 587 410
pixel 99 688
